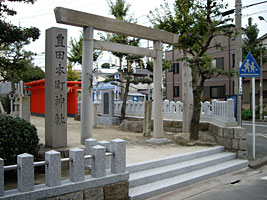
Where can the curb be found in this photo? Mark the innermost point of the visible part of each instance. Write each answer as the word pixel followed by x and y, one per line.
pixel 255 164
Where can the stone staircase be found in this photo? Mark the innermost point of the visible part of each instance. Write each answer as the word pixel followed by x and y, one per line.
pixel 155 177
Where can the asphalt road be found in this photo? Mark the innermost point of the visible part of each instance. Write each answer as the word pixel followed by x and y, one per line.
pixel 250 188
pixel 261 138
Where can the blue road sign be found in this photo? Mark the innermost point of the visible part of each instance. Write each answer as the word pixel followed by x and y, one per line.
pixel 249 67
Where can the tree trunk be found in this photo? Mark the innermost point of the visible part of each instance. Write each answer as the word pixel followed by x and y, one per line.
pixel 198 85
pixel 121 80
pixel 123 108
pixel 194 128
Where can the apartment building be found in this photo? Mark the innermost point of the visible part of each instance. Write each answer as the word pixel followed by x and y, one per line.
pixel 216 87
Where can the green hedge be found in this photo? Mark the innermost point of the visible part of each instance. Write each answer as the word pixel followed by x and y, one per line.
pixel 246 114
pixel 17 136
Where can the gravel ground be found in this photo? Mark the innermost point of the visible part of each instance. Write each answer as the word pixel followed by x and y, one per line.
pixel 137 148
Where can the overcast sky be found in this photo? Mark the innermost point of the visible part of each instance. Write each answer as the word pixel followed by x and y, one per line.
pixel 41 15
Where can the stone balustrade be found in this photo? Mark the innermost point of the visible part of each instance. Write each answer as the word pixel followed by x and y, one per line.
pixel 107 164
pixel 219 112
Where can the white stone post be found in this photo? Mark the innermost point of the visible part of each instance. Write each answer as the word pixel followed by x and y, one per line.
pixel 98 168
pixel 87 84
pixel 214 107
pixel 25 107
pixel 206 108
pixel 118 160
pixel 107 145
pixel 2 182
pixel 52 168
pixel 25 172
pixel 89 143
pixel 230 109
pixel 76 165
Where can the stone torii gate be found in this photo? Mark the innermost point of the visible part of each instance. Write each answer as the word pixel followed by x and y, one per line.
pixel 89 23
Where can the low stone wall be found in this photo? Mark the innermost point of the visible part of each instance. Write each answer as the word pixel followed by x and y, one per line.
pixel 232 138
pixel 116 191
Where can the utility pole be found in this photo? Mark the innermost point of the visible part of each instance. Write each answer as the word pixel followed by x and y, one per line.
pixel 238 57
pixel 261 85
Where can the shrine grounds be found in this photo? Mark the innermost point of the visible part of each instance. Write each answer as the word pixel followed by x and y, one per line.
pixel 137 149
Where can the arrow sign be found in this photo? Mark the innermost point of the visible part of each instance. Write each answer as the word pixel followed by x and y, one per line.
pixel 249 67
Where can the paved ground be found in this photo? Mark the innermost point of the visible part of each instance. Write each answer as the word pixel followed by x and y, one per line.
pixel 246 184
pixel 137 149
pixel 261 138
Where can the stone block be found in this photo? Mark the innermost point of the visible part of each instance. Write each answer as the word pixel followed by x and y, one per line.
pixel 117 191
pixel 52 168
pixel 118 160
pixel 89 143
pixel 220 140
pixel 177 124
pixel 76 165
pixel 220 132
pixel 240 133
pixel 98 168
pixel 242 154
pixel 107 145
pixel 228 133
pixel 168 123
pixel 235 144
pixel 94 194
pixel 70 196
pixel 227 143
pixel 1 177
pixel 25 172
pixel 243 145
pixel 212 128
pixel 204 126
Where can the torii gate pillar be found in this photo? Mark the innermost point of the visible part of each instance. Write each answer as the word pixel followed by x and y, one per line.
pixel 158 136
pixel 87 80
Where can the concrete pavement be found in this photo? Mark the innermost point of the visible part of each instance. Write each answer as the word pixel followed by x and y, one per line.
pixel 245 184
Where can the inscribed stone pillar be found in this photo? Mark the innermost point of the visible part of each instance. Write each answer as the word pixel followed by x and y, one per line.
pixel 107 98
pixel 56 88
pixel 187 97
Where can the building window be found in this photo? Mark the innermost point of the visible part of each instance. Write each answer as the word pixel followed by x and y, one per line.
pixel 176 91
pixel 176 68
pixel 217 92
pixel 206 92
pixel 233 60
pixel 219 62
pixel 170 69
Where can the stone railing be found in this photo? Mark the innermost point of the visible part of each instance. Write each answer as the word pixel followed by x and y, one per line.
pixel 107 161
pixel 219 112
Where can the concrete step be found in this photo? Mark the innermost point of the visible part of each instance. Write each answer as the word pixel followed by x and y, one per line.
pixel 173 159
pixel 173 183
pixel 160 173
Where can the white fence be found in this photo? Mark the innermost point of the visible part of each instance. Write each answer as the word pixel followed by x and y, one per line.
pixel 219 112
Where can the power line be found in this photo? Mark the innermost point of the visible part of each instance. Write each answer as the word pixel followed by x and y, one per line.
pixel 248 15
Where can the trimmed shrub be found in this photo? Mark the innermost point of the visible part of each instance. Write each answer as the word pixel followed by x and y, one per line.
pixel 17 136
pixel 246 114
